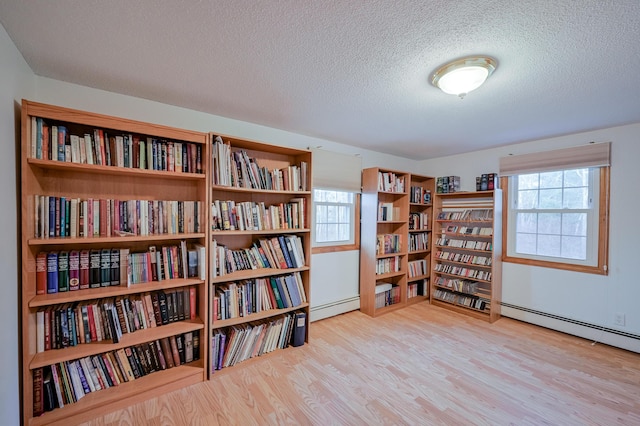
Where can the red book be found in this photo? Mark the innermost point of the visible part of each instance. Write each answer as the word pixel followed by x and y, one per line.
pixel 103 217
pixel 84 269
pixel 92 324
pixel 41 273
pixel 192 302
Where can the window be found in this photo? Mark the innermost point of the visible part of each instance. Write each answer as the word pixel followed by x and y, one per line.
pixel 557 217
pixel 334 218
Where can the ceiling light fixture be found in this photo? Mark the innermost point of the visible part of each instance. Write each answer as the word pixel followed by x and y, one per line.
pixel 463 75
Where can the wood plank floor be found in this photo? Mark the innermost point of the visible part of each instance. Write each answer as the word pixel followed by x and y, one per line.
pixel 421 365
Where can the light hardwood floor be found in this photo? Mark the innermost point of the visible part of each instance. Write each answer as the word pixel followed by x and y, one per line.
pixel 421 365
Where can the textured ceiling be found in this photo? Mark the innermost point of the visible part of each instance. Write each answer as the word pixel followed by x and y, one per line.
pixel 352 71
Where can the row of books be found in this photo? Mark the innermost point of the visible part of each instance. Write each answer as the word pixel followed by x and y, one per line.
pixel 415 289
pixel 279 252
pixel 417 268
pixel 464 258
pixel 462 286
pixel 236 169
pixel 238 343
pixel 462 271
pixel 419 195
pixel 388 243
pixel 467 214
pixel 240 299
pixel 388 212
pixel 67 382
pixel 469 230
pixel 418 241
pixel 487 182
pixel 447 184
pixel 72 324
pixel 100 147
pixel 474 302
pixel 387 265
pixel 391 182
pixel 386 294
pixel 61 271
pixel 464 244
pixel 418 221
pixel 77 218
pixel 251 216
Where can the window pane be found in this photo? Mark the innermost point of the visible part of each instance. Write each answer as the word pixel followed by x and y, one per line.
pixel 574 247
pixel 343 232
pixel 549 223
pixel 527 222
pixel 332 214
pixel 319 195
pixel 549 245
pixel 527 199
pixel 525 243
pixel 344 213
pixel 576 198
pixel 321 214
pixel 551 180
pixel 321 232
pixel 331 196
pixel 577 177
pixel 528 181
pixel 332 232
pixel 574 224
pixel 550 199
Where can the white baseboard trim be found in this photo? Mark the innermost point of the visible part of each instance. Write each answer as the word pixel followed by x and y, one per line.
pixel 334 308
pixel 595 333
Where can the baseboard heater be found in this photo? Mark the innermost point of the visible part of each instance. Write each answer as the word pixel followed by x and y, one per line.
pixel 335 308
pixel 572 321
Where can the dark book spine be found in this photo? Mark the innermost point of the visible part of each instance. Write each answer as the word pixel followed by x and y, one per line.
pixel 63 271
pixel 105 267
pixel 115 267
pixel 74 270
pixel 95 277
pixel 52 272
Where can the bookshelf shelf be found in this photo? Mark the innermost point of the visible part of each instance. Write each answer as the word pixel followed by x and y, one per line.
pixel 97 403
pixel 113 240
pixel 478 297
pixel 410 218
pixel 113 291
pixel 90 174
pixel 112 170
pixel 131 339
pixel 257 316
pixel 264 192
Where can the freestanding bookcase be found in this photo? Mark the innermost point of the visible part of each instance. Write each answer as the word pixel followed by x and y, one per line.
pixel 95 183
pixel 395 239
pixel 260 243
pixel 466 275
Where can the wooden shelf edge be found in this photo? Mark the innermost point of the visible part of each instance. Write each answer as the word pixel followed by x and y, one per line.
pixel 418 278
pixel 255 273
pixel 390 275
pixel 217 324
pixel 261 191
pixel 114 240
pixel 124 394
pixel 54 356
pixel 102 292
pixel 113 170
pixel 261 232
pixel 483 315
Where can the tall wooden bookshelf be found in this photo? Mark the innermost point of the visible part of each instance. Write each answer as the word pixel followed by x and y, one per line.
pixel 421 193
pixel 387 244
pixel 260 243
pixel 123 188
pixel 466 274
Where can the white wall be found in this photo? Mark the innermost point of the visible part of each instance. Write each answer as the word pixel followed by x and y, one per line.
pixel 16 82
pixel 589 298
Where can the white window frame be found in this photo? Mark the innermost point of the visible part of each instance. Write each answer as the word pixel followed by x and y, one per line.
pixel 352 242
pixel 592 228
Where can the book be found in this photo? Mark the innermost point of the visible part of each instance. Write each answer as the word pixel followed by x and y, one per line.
pixel 95 275
pixel 63 271
pixel 299 329
pixel 41 273
pixel 115 267
pixel 74 270
pixel 84 270
pixel 52 272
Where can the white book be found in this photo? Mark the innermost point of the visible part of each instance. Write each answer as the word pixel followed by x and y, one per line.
pixel 89 149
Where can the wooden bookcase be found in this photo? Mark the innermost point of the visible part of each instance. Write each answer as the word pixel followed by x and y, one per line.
pixel 386 246
pixel 185 189
pixel 420 237
pixel 466 274
pixel 249 216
